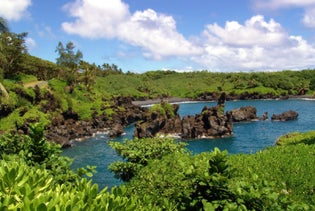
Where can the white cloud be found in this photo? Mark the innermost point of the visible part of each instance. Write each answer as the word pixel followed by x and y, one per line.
pixel 255 31
pixel 96 19
pixel 309 17
pixel 14 9
pixel 307 5
pixel 155 33
pixel 256 45
pixel 276 4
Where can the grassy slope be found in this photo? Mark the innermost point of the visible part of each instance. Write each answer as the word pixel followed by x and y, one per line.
pixel 191 84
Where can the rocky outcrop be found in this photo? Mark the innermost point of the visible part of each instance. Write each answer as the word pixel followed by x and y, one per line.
pixel 155 123
pixel 246 113
pixel 210 123
pixel 285 116
pixel 66 127
pixel 264 116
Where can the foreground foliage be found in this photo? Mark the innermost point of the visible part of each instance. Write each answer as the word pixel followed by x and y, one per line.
pixel 207 181
pixel 138 152
pixel 291 168
pixel 34 188
pixel 296 138
pixel 162 175
pixel 34 176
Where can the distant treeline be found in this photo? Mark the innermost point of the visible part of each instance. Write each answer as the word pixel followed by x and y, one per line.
pixel 71 68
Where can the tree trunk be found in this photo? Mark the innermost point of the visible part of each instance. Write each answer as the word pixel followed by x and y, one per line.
pixel 3 91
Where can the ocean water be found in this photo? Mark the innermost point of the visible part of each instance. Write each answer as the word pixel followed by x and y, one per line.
pixel 248 137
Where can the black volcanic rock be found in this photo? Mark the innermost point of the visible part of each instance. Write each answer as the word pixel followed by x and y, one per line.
pixel 154 123
pixel 285 116
pixel 67 126
pixel 210 123
pixel 246 113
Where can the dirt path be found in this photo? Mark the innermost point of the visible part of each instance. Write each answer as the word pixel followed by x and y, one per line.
pixel 38 83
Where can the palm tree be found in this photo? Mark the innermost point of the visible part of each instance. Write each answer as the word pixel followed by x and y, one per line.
pixel 88 75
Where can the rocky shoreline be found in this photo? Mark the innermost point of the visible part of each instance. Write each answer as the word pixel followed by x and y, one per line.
pixel 66 127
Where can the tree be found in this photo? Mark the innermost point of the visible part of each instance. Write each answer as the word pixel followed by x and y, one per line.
pixel 70 60
pixel 67 56
pixel 4 54
pixel 42 69
pixel 88 73
pixel 3 28
pixel 13 49
pixel 110 69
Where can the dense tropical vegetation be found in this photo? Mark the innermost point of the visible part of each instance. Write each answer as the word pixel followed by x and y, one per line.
pixel 159 174
pixel 33 175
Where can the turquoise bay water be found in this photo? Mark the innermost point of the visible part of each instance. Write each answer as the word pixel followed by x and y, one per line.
pixel 248 137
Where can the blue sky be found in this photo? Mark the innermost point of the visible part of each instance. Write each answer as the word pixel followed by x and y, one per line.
pixel 182 35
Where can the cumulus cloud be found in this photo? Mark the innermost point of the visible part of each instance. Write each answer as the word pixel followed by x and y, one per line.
pixel 255 45
pixel 255 31
pixel 14 9
pixel 96 19
pixel 308 5
pixel 155 33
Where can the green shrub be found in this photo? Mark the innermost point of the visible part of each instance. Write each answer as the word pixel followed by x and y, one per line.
pixel 24 78
pixel 30 93
pixel 10 102
pixel 296 138
pixel 109 112
pixel 164 109
pixel 24 116
pixel 291 168
pixel 204 181
pixel 35 150
pixel 9 122
pixel 10 84
pixel 32 115
pixel 31 188
pixel 57 85
pixel 139 152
